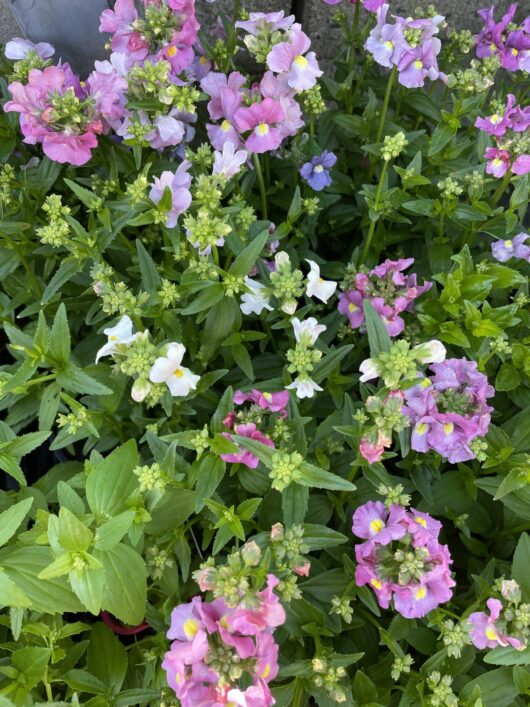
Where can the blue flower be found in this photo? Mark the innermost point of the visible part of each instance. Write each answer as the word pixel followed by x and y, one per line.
pixel 316 172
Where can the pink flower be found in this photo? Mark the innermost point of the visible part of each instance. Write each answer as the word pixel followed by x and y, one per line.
pixel 498 161
pixel 119 23
pixel 275 402
pixel 244 457
pixel 178 183
pixel 486 633
pixel 303 570
pixel 370 450
pixel 262 119
pixel 288 57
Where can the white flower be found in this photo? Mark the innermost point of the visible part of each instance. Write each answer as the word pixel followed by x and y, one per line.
pixel 304 387
pixel 140 389
pixel 282 260
pixel 316 286
pixel 308 330
pixel 290 306
pixel 430 352
pixel 19 48
pixel 370 369
pixel 122 333
pixel 167 369
pixel 256 300
pixel 229 161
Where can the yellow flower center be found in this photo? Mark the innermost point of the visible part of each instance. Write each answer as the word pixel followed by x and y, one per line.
pixel 352 307
pixel 178 372
pixel 448 428
pixel 318 168
pixel 497 162
pixel 420 593
pixel 267 396
pixel 376 583
pixel 300 61
pixel 491 634
pixel 172 51
pixel 422 428
pixel 425 383
pixel 421 521
pixel 203 60
pixel 178 679
pixel 225 126
pixel 266 671
pixel 515 52
pixel 508 243
pixel 389 44
pixel 495 119
pixel 418 64
pixel 262 129
pixel 377 525
pixel 113 338
pixel 493 48
pixel 190 628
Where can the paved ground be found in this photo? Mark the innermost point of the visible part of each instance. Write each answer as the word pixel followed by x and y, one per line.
pixel 315 15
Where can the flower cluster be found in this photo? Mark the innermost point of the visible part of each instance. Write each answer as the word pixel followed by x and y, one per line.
pixel 247 423
pixel 303 357
pixel 224 654
pixel 448 410
pixel 402 559
pixel 505 39
pixel 509 125
pixel 388 290
pixel 409 45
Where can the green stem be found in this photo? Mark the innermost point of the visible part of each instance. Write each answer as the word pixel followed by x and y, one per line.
pixel 368 241
pixel 261 184
pixel 386 101
pixel 298 695
pixel 353 37
pixel 501 188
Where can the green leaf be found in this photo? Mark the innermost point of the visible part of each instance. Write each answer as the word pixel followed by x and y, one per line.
pixel 83 681
pixel 12 518
pixel 60 337
pixel 295 500
pixel 24 444
pixel 211 472
pixel 75 380
pixel 73 535
pixel 32 663
pixel 88 587
pixel 136 696
pixel 521 565
pixel 106 657
pixel 247 258
pixel 151 280
pixel 11 466
pixel 110 533
pixel 314 477
pixel 58 568
pixel 65 272
pixel 125 593
pixel 112 481
pixel 84 195
pixel 442 135
pixel 11 595
pixel 325 366
pixel 378 337
pixel 206 299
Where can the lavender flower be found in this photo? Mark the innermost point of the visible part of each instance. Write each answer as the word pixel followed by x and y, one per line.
pixel 316 171
pixel 511 248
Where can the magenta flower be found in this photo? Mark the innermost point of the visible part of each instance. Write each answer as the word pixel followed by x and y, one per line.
pixel 225 98
pixel 262 120
pixel 449 410
pixel 276 87
pixel 275 402
pixel 374 522
pixel 120 23
pixel 498 161
pixel 243 456
pixel 390 292
pixel 511 248
pixel 178 183
pixel 290 58
pixel 489 631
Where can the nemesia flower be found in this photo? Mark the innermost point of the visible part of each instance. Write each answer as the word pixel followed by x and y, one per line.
pixel 489 631
pixel 256 300
pixel 511 248
pixel 225 98
pixel 401 558
pixel 262 120
pixel 277 88
pixel 497 124
pixel 307 330
pixel 178 183
pixel 167 369
pixel 275 402
pixel 120 334
pixel 18 48
pixel 498 161
pixel 288 58
pixel 243 456
pixel 265 22
pixel 430 352
pixel 316 171
pixel 448 410
pixel 388 290
pixel 229 161
pixel 304 387
pixel 316 286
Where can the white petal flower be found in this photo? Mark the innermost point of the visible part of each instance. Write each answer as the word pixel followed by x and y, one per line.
pixel 308 330
pixel 122 333
pixel 256 300
pixel 304 387
pixel 430 352
pixel 140 389
pixel 167 369
pixel 370 369
pixel 229 161
pixel 316 286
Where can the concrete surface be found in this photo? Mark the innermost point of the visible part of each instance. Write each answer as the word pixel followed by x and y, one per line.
pixel 81 20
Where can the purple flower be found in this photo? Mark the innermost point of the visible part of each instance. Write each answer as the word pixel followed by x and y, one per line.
pixel 449 410
pixel 514 248
pixel 277 87
pixel 490 38
pixel 316 171
pixel 262 120
pixel 178 183
pixel 489 631
pixel 260 22
pixel 498 161
pixel 275 402
pixel 290 58
pixel 420 63
pixel 243 456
